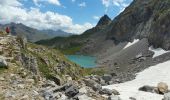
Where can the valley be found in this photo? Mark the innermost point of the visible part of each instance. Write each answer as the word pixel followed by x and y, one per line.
pixel 122 58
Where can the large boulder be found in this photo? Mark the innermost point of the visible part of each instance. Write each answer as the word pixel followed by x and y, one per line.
pixel 162 88
pixel 147 88
pixel 3 62
pixel 106 91
pixel 57 80
pixel 72 91
pixel 109 92
pixel 166 96
pixel 94 85
pixel 107 77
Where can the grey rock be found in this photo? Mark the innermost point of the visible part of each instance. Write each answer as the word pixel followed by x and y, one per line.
pixel 107 77
pixel 3 62
pixel 106 91
pixel 83 90
pixel 147 88
pixel 132 98
pixel 166 96
pixel 57 80
pixel 114 97
pixel 115 92
pixel 72 91
pixel 94 85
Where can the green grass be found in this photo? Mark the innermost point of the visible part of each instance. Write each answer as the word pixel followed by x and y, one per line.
pixel 2 69
pixel 71 50
pixel 2 97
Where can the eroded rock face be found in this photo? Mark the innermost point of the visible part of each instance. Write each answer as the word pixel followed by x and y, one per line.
pixel 30 63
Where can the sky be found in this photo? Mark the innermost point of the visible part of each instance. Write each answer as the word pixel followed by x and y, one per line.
pixel 73 16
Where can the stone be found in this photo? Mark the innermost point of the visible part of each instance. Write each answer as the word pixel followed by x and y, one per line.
pixel 107 77
pixel 10 94
pixel 106 91
pixel 68 78
pixel 166 96
pixel 25 97
pixel 30 81
pixel 47 95
pixel 83 90
pixel 57 80
pixel 94 85
pixel 162 87
pixel 114 97
pixel 2 78
pixel 72 91
pixel 132 98
pixel 21 86
pixel 3 62
pixel 115 92
pixel 147 88
pixel 35 93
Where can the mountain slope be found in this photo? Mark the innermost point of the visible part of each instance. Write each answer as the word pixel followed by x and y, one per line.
pixel 32 34
pixel 143 19
pixel 75 43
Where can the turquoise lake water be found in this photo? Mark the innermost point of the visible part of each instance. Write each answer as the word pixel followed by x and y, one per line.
pixel 83 61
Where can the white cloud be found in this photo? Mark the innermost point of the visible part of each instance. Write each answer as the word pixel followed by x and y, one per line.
pixel 119 3
pixel 54 2
pixel 106 3
pixel 96 17
pixel 83 4
pixel 73 0
pixel 33 17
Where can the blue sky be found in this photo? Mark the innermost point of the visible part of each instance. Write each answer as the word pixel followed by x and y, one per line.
pixel 73 16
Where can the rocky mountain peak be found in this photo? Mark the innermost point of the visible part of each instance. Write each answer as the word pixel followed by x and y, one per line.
pixel 104 20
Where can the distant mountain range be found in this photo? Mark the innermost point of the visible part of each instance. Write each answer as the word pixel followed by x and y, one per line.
pixel 32 34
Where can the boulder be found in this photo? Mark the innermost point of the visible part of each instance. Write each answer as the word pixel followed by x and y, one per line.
pixel 107 77
pixel 72 91
pixel 57 80
pixel 3 62
pixel 147 88
pixel 83 90
pixel 115 92
pixel 94 85
pixel 166 96
pixel 162 87
pixel 114 97
pixel 106 91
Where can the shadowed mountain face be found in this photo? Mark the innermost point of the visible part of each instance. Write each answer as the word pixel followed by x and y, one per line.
pixel 32 34
pixel 143 19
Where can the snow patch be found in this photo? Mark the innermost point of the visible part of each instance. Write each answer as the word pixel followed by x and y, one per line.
pixel 158 51
pixel 131 43
pixel 150 76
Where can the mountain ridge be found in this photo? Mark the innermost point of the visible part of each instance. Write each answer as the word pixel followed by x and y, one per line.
pixel 33 34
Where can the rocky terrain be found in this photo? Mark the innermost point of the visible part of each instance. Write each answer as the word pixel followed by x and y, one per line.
pixel 29 71
pixel 146 20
